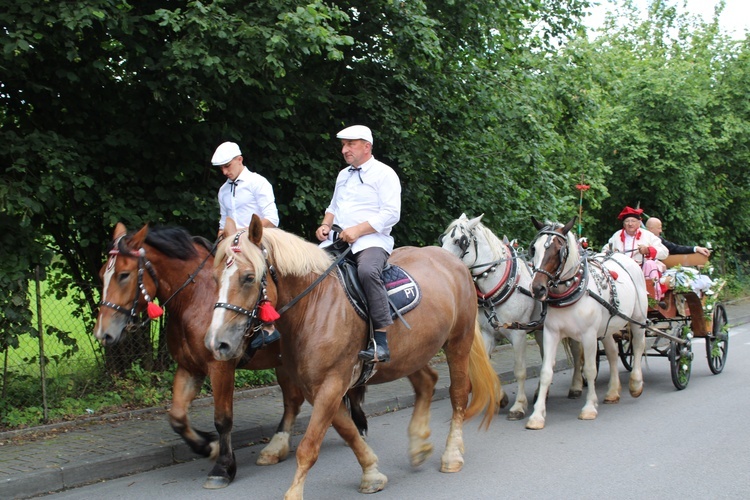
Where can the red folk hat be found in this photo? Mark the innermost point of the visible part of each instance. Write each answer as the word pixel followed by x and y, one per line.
pixel 630 212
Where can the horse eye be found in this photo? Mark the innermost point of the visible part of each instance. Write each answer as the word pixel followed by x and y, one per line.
pixel 248 279
pixel 123 277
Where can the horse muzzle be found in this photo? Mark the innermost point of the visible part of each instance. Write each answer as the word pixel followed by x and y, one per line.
pixel 225 342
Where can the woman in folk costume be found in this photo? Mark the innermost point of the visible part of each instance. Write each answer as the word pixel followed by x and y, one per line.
pixel 642 245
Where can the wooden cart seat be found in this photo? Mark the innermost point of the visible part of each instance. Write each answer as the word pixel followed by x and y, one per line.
pixel 688 259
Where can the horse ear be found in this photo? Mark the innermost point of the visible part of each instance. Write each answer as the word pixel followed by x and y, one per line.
pixel 569 225
pixel 506 241
pixel 120 230
pixel 473 222
pixel 229 226
pixel 536 223
pixel 138 238
pixel 463 217
pixel 255 231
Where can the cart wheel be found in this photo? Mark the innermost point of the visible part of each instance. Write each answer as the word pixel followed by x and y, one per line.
pixel 717 342
pixel 625 349
pixel 681 356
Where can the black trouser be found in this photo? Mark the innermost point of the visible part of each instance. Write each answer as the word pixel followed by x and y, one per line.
pixel 370 264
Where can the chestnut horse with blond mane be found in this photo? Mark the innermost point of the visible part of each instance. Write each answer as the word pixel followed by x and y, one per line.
pixel 177 269
pixel 321 334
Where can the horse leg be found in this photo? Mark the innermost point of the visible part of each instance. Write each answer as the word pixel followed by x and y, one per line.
pixel 638 340
pixel 576 382
pixel 372 479
pixel 327 403
pixel 278 448
pixel 184 390
pixel 537 418
pixel 420 448
pixel 540 342
pixel 613 391
pixel 222 385
pixel 460 386
pixel 518 410
pixel 590 346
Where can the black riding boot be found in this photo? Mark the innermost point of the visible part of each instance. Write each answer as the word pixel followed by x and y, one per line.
pixel 378 346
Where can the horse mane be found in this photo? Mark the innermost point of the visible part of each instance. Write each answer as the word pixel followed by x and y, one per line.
pixel 293 255
pixel 174 242
pixel 289 254
pixel 497 247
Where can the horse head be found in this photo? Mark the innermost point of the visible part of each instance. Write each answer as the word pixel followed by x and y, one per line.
pixel 549 253
pixel 459 238
pixel 126 288
pixel 240 273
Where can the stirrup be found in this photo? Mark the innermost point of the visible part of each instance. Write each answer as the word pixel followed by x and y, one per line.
pixel 263 338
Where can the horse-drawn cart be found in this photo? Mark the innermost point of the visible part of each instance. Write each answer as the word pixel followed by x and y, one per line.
pixel 681 316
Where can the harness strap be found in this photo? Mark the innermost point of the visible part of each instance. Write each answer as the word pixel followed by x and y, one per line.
pixel 317 280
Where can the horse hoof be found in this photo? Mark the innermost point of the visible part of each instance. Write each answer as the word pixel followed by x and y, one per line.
pixel 373 483
pixel 574 394
pixel 516 415
pixel 612 401
pixel 267 459
pixel 216 482
pixel 535 424
pixel 419 457
pixel 587 415
pixel 636 393
pixel 452 467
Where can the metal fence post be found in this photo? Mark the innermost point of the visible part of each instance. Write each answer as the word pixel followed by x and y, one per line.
pixel 41 342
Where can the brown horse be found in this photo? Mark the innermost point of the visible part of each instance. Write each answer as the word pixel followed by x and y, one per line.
pixel 177 269
pixel 322 334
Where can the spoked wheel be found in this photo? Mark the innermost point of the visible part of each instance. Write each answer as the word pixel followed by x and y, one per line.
pixel 681 356
pixel 625 350
pixel 717 342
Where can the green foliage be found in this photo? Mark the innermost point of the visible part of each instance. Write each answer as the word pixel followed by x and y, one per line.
pixel 254 378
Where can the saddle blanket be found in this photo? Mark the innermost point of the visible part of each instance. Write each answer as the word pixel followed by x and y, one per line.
pixel 403 291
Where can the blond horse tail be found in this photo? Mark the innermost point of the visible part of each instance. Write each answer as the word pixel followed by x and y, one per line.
pixel 486 389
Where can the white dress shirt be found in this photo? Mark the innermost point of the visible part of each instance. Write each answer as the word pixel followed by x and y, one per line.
pixel 373 195
pixel 252 194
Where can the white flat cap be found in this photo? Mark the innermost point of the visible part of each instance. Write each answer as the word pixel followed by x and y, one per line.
pixel 356 132
pixel 225 153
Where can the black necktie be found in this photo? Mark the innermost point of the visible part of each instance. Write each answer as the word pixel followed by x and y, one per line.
pixel 233 185
pixel 359 173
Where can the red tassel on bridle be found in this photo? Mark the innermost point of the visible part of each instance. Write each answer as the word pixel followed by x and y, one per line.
pixel 154 310
pixel 267 313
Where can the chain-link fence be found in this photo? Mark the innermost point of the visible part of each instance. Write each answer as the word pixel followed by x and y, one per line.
pixel 64 373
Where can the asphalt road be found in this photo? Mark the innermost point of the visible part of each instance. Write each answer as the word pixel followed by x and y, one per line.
pixel 667 444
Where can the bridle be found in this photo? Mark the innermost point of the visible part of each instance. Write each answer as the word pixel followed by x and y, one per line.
pixel 253 324
pixel 554 278
pixel 118 248
pixel 463 242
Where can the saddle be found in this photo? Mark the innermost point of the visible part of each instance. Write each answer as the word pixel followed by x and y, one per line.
pixel 403 291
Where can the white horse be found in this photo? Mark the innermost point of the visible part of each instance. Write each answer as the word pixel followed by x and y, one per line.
pixel 589 299
pixel 503 283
